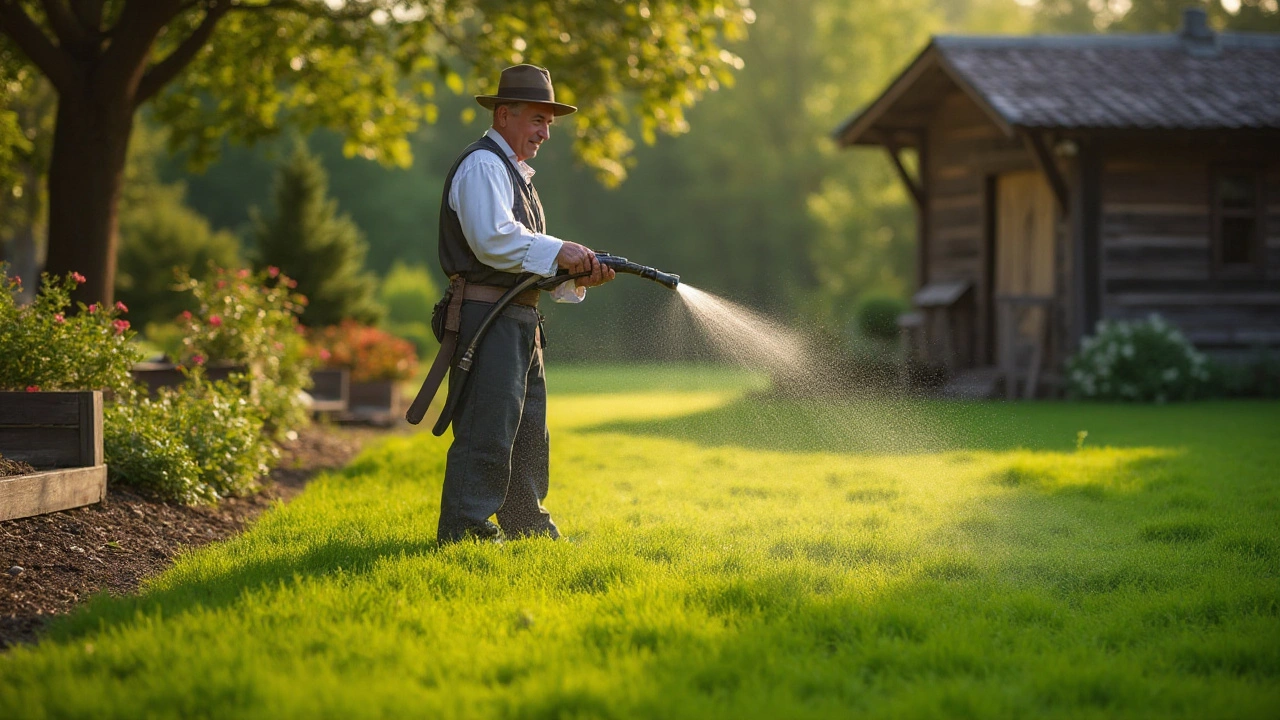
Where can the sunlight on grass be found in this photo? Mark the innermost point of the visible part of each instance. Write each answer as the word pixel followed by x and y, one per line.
pixel 732 556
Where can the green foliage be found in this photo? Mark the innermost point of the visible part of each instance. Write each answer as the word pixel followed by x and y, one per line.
pixel 1142 361
pixel 813 571
pixel 877 316
pixel 250 319
pixel 409 294
pixel 307 239
pixel 1254 376
pixel 46 346
pixel 196 443
pixel 158 235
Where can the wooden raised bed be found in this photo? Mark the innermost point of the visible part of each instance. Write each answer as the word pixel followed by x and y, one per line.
pixel 60 434
pixel 378 402
pixel 330 390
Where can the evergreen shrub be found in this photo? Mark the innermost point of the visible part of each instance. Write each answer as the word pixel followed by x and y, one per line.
pixel 1140 361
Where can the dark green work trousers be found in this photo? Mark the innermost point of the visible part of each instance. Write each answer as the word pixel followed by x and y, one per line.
pixel 499 461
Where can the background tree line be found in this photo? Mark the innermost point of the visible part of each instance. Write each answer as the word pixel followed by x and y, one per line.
pixel 753 202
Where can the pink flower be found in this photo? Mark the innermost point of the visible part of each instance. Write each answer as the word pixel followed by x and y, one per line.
pixel 33 388
pixel 17 280
pixel 59 319
pixel 120 306
pixel 78 278
pixel 242 273
pixel 197 359
pixel 215 320
pixel 292 283
pixel 93 308
pixel 120 326
pixel 220 284
pixel 186 315
pixel 273 271
pixel 325 354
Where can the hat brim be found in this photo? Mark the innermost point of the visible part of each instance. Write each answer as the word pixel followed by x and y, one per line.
pixel 489 101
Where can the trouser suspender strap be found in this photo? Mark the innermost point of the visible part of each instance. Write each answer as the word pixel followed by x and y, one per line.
pixel 444 358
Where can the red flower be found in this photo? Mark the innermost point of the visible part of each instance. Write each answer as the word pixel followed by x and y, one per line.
pixel 242 273
pixel 215 320
pixel 59 319
pixel 186 315
pixel 273 271
pixel 325 354
pixel 292 283
pixel 78 278
pixel 17 280
pixel 93 308
pixel 33 388
pixel 220 284
pixel 197 359
pixel 120 306
pixel 120 326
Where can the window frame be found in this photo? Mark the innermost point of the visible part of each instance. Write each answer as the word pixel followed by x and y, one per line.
pixel 1256 268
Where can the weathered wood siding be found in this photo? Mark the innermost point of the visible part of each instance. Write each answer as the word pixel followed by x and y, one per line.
pixel 1156 244
pixel 965 149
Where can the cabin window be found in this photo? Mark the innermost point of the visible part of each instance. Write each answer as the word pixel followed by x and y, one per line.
pixel 1237 222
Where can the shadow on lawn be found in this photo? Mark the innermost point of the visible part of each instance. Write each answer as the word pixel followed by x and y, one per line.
pixel 212 592
pixel 898 426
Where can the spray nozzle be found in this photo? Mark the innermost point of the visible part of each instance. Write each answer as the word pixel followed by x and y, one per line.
pixel 623 265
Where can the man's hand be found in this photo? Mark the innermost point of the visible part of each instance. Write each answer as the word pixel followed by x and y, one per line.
pixel 578 259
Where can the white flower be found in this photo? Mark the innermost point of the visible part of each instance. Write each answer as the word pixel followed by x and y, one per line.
pixel 1127 350
pixel 1170 374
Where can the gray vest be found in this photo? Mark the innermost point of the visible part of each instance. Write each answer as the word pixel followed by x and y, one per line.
pixel 456 257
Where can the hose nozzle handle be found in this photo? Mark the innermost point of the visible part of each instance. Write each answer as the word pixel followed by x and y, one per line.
pixel 623 265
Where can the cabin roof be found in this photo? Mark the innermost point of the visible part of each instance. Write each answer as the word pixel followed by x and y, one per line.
pixel 1177 81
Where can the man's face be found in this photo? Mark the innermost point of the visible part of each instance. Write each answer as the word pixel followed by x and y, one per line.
pixel 527 131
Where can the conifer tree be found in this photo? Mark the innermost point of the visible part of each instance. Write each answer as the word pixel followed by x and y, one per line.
pixel 311 242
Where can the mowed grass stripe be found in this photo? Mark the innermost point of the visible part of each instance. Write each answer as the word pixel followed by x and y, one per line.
pixel 734 557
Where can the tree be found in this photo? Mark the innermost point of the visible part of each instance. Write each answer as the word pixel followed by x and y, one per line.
pixel 246 68
pixel 309 241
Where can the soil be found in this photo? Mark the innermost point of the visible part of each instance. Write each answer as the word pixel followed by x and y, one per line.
pixel 51 563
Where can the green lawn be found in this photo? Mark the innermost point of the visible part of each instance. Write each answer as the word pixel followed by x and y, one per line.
pixel 731 557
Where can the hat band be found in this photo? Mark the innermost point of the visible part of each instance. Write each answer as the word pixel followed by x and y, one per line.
pixel 531 94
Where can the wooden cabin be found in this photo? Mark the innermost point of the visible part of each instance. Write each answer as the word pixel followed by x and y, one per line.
pixel 1063 180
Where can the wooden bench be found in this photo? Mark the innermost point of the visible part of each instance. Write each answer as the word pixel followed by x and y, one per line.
pixel 60 434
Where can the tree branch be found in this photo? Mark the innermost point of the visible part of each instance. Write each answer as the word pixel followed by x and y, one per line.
pixel 166 70
pixel 311 9
pixel 31 40
pixel 89 13
pixel 65 26
pixel 132 39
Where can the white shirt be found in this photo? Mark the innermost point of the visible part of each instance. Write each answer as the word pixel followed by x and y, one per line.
pixel 481 195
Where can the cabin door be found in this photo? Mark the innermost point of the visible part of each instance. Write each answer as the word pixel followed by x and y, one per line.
pixel 1024 276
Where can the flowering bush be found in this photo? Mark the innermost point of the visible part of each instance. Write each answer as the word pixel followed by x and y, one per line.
pixel 190 444
pixel 250 319
pixel 44 346
pixel 370 353
pixel 1146 360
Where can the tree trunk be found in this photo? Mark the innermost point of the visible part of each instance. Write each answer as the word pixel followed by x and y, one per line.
pixel 86 173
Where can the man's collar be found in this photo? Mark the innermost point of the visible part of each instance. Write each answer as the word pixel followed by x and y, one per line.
pixel 521 165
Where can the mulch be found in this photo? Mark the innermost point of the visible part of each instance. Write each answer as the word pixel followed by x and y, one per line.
pixel 51 563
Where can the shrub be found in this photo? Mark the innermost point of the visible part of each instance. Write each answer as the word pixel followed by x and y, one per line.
pixel 191 444
pixel 877 316
pixel 368 352
pixel 44 346
pixel 409 294
pixel 310 240
pixel 1146 360
pixel 250 319
pixel 158 234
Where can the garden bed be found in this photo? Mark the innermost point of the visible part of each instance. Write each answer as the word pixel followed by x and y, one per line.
pixel 67 556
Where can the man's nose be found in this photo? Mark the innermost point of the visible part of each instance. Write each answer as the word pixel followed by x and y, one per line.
pixel 544 133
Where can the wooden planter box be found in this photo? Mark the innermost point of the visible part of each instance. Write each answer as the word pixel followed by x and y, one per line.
pixel 60 434
pixel 380 402
pixel 156 375
pixel 330 390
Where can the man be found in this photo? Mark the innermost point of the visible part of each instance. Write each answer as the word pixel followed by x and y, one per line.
pixel 493 235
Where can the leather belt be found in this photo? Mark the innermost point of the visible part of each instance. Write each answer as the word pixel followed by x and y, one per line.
pixel 492 293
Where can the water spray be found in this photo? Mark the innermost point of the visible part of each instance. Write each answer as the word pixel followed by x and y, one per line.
pixel 463 367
